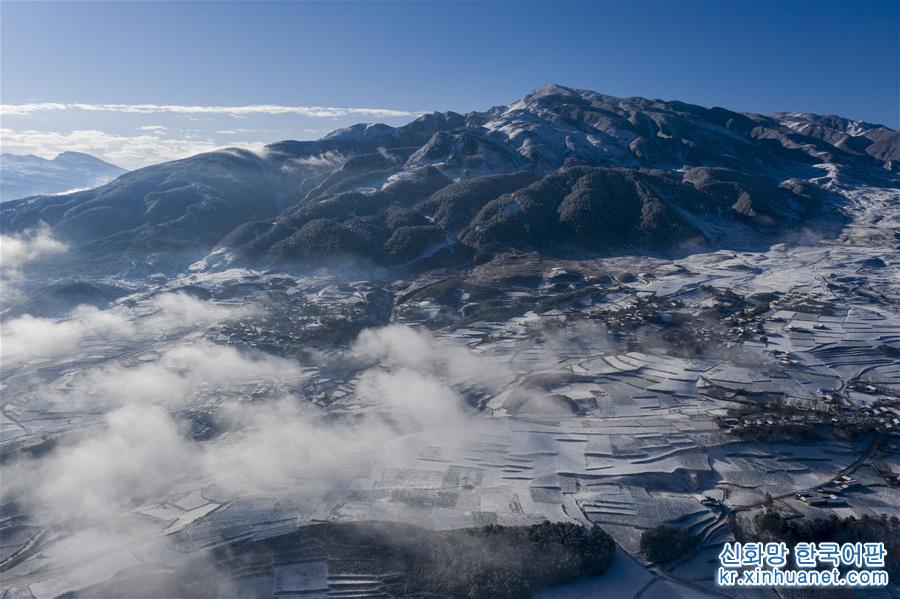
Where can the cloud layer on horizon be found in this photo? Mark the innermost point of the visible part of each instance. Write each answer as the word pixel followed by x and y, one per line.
pixel 137 135
pixel 236 111
pixel 128 151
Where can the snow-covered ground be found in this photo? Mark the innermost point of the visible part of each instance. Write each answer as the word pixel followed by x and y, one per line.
pixel 196 437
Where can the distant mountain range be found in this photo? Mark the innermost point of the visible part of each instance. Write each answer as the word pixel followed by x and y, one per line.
pixel 562 170
pixel 23 176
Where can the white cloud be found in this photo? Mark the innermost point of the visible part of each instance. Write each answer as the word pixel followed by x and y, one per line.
pixel 26 337
pixel 326 159
pixel 235 111
pixel 403 348
pixel 244 130
pixel 138 455
pixel 130 151
pixel 410 399
pixel 16 251
pixel 141 453
pixel 153 128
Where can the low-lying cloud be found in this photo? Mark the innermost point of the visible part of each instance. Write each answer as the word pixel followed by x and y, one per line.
pixel 139 454
pixel 142 451
pixel 88 329
pixel 324 160
pixel 17 251
pixel 399 346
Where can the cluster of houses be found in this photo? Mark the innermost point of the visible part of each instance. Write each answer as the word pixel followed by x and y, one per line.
pixel 830 493
pixel 865 418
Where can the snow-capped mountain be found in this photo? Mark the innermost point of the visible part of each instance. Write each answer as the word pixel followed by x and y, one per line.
pixel 856 137
pixel 27 175
pixel 561 170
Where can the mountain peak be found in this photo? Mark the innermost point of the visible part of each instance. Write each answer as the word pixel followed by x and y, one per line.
pixel 73 154
pixel 553 89
pixel 548 92
pixel 83 158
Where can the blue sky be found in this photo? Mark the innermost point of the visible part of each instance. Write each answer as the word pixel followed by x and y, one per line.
pixel 137 83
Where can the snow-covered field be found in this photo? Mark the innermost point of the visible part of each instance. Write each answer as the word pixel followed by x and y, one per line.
pixel 165 425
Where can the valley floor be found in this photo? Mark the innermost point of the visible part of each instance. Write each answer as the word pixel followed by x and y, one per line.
pixel 215 409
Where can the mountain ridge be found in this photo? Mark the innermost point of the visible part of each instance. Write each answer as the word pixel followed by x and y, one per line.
pixel 578 170
pixel 24 175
